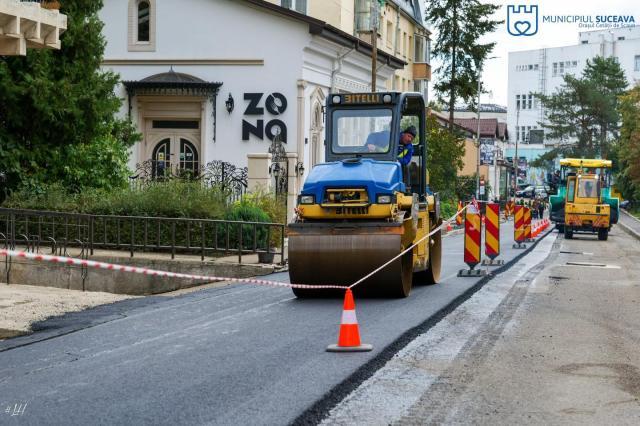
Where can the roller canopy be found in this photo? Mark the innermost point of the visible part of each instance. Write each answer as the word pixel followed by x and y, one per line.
pixel 585 162
pixel 378 177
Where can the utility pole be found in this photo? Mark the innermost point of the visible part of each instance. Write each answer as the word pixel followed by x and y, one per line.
pixel 515 157
pixel 374 42
pixel 478 137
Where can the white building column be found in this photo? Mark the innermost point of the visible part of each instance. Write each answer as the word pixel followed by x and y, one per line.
pixel 294 187
pixel 258 171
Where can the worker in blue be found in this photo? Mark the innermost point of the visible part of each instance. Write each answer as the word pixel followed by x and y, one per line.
pixel 405 148
pixel 379 142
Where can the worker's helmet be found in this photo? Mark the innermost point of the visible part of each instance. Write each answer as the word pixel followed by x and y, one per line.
pixel 411 130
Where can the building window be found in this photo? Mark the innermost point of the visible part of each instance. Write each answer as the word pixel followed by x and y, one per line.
pixel 364 22
pixel 142 26
pixel 535 67
pixel 637 63
pixel 297 5
pixel 529 102
pixel 585 42
pixel 143 21
pixel 420 49
pixel 561 68
pixel 389 33
pixel 555 69
pixel 517 103
pixel 574 63
pixel 404 44
pixel 620 38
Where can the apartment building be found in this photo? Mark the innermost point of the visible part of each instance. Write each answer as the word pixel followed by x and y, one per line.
pixel 542 71
pixel 400 32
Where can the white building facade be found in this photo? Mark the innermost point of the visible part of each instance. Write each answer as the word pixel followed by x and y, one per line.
pixel 542 71
pixel 208 80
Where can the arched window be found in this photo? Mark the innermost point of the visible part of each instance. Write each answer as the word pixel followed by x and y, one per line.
pixel 143 21
pixel 142 26
pixel 188 158
pixel 161 160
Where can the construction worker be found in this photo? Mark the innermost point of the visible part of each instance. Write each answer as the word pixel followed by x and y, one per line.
pixel 405 149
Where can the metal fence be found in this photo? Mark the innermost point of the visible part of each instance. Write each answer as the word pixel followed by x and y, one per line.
pixel 81 234
pixel 231 180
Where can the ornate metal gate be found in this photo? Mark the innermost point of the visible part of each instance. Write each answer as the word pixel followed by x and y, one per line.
pixel 279 169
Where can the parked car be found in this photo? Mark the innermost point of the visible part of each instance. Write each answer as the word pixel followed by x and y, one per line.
pixel 527 192
pixel 542 193
pixel 532 191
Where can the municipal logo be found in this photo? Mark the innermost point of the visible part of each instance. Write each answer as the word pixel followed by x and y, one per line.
pixel 522 20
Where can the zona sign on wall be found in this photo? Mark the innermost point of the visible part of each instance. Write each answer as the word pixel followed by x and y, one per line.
pixel 275 104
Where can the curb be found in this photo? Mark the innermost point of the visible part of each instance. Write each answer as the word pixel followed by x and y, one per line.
pixel 629 231
pixel 635 234
pixel 321 408
pixel 629 215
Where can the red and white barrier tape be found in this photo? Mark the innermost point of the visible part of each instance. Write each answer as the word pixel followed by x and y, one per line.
pixel 152 272
pixel 444 223
pixel 166 274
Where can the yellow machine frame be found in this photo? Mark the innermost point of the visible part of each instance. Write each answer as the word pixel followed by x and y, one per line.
pixel 585 213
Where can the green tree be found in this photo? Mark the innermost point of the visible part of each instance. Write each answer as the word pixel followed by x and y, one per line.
pixel 460 24
pixel 628 149
pixel 57 116
pixel 444 157
pixel 586 108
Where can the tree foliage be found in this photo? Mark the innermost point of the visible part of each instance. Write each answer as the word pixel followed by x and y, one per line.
pixel 586 108
pixel 444 157
pixel 460 24
pixel 628 149
pixel 57 115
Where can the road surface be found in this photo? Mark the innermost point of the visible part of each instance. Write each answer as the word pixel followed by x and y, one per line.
pixel 236 355
pixel 554 342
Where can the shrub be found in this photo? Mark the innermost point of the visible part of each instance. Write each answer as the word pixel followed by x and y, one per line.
pixel 448 208
pixel 245 211
pixel 167 199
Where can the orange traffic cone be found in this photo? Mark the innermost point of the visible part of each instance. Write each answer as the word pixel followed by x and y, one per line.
pixel 349 337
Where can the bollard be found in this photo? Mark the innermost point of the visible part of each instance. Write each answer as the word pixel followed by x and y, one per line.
pixel 527 225
pixel 472 243
pixel 492 235
pixel 518 227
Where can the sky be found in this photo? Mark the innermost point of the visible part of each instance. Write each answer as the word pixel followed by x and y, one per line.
pixel 495 74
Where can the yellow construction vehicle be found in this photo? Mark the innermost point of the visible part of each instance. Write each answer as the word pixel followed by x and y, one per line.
pixel 588 206
pixel 363 207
